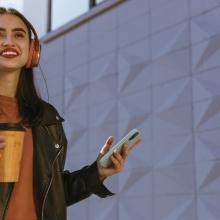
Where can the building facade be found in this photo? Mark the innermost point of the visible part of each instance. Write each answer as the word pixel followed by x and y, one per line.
pixel 153 65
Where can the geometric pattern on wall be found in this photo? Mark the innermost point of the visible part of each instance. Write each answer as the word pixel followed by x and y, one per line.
pixel 173 149
pixel 174 121
pixel 142 211
pixel 102 89
pixel 206 85
pixel 78 118
pixel 102 118
pixel 199 7
pixel 169 54
pixel 106 111
pixel 77 134
pixel 132 179
pixel 206 54
pixel 136 105
pixel 171 66
pixel 76 97
pixel 128 79
pixel 163 79
pixel 76 77
pixel 208 207
pixel 174 179
pixel 133 67
pixel 207 146
pixel 102 67
pixel 106 213
pixel 205 26
pixel 171 95
pixel 207 114
pixel 107 209
pixel 208 177
pixel 170 40
pixel 98 135
pixel 175 207
pixel 79 212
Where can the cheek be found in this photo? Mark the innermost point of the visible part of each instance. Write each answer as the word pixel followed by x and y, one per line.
pixel 26 51
pixel 25 45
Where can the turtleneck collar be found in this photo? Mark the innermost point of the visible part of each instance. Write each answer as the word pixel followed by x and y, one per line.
pixel 9 109
pixel 7 98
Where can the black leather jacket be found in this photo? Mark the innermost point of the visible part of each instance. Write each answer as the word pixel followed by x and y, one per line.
pixel 55 188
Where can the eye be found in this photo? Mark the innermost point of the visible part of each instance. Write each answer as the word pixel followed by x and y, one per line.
pixel 19 35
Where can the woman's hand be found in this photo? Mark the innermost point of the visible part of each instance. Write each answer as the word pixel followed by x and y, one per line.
pixel 117 159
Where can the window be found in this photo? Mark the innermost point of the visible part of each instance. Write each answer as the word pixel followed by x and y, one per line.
pixel 99 1
pixel 66 10
pixel 13 4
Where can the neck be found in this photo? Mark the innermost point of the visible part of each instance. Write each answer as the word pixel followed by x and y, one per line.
pixel 9 82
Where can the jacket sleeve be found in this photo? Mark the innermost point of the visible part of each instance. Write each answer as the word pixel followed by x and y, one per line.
pixel 80 184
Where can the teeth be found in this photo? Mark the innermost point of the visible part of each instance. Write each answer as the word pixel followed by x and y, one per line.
pixel 9 53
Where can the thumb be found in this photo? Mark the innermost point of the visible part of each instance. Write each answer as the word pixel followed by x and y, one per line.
pixel 107 145
pixel 109 140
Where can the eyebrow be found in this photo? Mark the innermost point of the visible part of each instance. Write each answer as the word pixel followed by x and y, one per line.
pixel 14 30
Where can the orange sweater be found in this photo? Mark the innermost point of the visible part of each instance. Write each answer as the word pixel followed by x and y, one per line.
pixel 22 203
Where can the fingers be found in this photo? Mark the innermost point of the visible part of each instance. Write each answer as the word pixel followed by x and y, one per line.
pixel 124 151
pixel 118 159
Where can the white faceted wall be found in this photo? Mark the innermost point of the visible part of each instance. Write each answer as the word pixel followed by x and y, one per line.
pixel 153 65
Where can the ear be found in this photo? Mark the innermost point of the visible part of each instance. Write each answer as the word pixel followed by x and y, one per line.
pixel 34 54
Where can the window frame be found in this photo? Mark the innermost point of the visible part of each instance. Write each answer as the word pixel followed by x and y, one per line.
pixel 94 11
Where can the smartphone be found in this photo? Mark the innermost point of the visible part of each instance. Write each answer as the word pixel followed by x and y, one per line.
pixel 131 139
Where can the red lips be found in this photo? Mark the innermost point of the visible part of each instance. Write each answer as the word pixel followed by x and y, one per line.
pixel 9 53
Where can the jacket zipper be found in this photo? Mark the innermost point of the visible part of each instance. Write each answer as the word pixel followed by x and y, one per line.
pixel 48 188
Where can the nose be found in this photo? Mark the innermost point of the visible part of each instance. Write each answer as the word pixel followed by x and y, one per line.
pixel 7 41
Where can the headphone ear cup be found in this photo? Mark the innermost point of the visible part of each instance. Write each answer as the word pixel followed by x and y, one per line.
pixel 34 54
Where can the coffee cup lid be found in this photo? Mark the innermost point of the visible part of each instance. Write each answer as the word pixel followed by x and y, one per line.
pixel 11 127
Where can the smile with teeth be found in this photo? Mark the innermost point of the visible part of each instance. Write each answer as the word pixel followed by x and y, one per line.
pixel 9 54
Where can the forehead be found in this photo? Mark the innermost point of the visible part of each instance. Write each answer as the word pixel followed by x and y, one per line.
pixel 9 21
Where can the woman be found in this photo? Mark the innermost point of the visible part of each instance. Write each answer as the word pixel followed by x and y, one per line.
pixel 44 189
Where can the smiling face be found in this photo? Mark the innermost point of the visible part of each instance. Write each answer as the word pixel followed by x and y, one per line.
pixel 14 43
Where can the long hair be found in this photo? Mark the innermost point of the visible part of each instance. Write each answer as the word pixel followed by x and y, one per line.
pixel 30 105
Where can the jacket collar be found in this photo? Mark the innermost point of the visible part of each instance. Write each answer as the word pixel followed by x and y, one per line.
pixel 50 115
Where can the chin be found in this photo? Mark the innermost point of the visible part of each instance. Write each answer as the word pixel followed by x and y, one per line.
pixel 11 66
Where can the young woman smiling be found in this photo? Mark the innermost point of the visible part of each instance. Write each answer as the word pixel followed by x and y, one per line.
pixel 44 188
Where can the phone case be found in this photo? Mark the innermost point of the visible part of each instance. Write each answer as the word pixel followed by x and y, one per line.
pixel 130 140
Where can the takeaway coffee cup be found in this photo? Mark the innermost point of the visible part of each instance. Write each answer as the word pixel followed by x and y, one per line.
pixel 12 152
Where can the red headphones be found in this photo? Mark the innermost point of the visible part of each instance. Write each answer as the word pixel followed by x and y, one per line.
pixel 35 48
pixel 34 54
